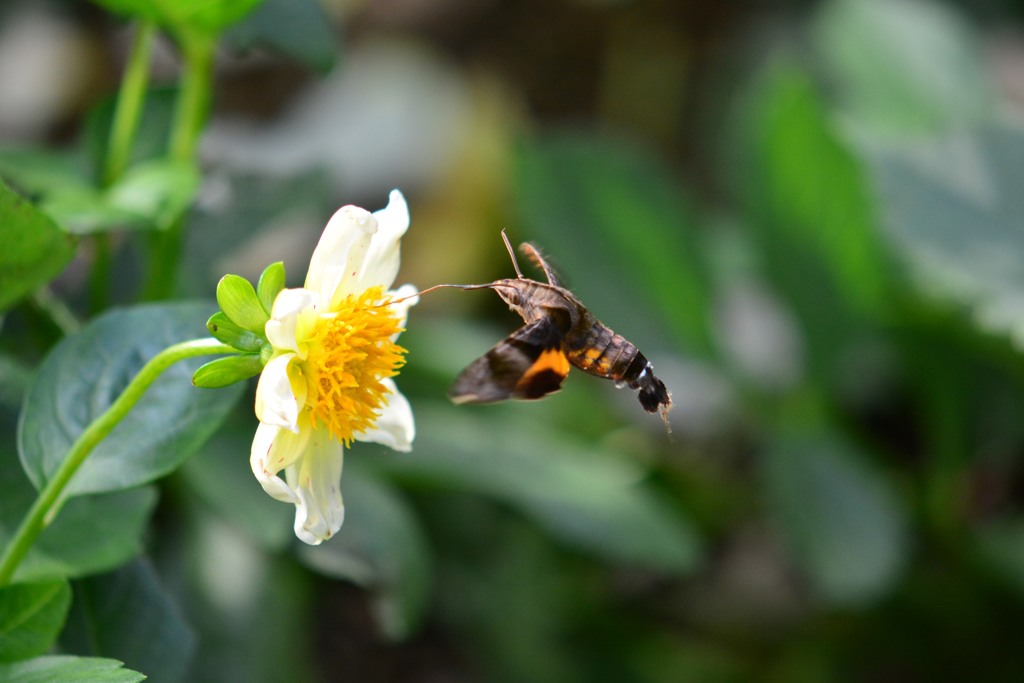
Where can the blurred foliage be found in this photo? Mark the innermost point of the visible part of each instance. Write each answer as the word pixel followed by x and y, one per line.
pixel 807 215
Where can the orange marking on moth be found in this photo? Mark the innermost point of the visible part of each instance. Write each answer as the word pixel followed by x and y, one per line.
pixel 552 360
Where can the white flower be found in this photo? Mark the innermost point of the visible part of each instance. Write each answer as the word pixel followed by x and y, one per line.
pixel 328 381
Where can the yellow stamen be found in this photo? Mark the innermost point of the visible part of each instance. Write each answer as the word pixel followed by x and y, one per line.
pixel 350 352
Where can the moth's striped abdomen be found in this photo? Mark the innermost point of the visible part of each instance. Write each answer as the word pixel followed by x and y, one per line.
pixel 599 351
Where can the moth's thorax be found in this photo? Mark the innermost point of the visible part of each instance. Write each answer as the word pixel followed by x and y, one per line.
pixel 534 300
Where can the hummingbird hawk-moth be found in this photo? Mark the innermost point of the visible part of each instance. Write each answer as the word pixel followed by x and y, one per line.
pixel 559 333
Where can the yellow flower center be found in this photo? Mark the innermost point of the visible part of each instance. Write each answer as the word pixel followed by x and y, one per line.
pixel 350 352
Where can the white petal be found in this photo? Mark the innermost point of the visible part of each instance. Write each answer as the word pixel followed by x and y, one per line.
pixel 382 260
pixel 274 448
pixel 281 393
pixel 293 313
pixel 316 479
pixel 339 256
pixel 395 427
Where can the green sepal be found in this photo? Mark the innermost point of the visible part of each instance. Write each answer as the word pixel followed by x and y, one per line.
pixel 223 329
pixel 270 285
pixel 237 298
pixel 225 371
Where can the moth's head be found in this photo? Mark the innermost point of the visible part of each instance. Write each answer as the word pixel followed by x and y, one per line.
pixel 510 292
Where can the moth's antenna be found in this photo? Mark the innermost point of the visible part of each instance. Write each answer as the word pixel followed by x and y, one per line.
pixel 489 285
pixel 512 254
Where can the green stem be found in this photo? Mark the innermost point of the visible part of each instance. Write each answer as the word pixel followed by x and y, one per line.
pixel 99 276
pixel 46 505
pixel 127 113
pixel 130 100
pixel 940 388
pixel 56 311
pixel 193 96
pixel 189 118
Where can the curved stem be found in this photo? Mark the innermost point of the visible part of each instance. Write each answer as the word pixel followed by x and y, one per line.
pixel 47 503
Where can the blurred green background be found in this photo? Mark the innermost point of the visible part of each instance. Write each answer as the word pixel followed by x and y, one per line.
pixel 808 215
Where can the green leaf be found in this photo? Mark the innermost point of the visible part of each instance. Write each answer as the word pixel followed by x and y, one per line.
pixel 382 548
pixel 813 194
pixel 254 210
pixel 151 195
pixel 1001 547
pixel 209 17
pixel 665 659
pixel 593 500
pixel 65 190
pixel 158 191
pixel 219 477
pixel 206 16
pixel 238 300
pixel 15 379
pixel 296 28
pixel 85 373
pixel 138 9
pixel 270 285
pixel 129 616
pixel 91 534
pixel 507 570
pixel 154 192
pixel 842 519
pixel 224 371
pixel 34 252
pixel 67 669
pixel 84 210
pixel 234 588
pixel 38 171
pixel 224 330
pixel 631 209
pixel 952 208
pixel 31 616
pixel 904 65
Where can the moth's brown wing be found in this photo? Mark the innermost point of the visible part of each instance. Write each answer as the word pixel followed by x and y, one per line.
pixel 528 364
